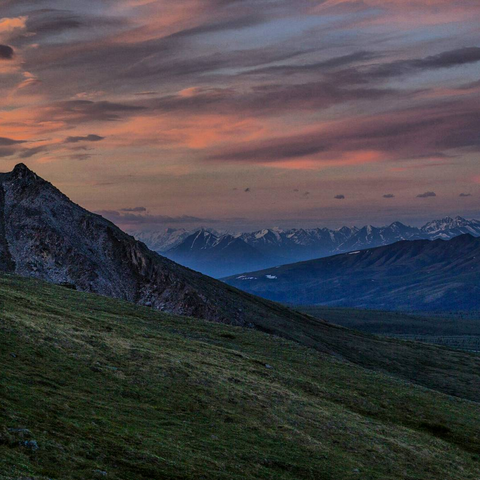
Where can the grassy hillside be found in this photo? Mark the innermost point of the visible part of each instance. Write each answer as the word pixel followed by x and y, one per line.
pixel 105 389
pixel 451 329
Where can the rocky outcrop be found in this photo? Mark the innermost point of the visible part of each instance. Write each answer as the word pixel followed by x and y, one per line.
pixel 45 235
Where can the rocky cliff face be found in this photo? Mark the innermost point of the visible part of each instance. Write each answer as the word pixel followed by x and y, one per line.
pixel 45 235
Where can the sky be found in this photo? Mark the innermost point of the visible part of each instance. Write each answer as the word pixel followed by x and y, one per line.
pixel 243 114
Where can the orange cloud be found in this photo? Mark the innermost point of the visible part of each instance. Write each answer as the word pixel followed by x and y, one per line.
pixel 29 80
pixel 319 162
pixel 175 131
pixel 10 27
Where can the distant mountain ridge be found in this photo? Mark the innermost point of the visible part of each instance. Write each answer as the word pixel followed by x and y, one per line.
pixel 163 240
pixel 220 256
pixel 216 254
pixel 408 275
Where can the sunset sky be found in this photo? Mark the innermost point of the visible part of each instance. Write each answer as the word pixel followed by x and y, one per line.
pixel 239 114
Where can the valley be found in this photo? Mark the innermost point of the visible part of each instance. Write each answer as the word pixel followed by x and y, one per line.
pixel 459 330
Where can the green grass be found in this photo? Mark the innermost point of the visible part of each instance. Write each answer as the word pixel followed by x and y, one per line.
pixel 104 386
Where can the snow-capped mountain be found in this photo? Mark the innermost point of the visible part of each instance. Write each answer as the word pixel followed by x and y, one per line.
pixel 369 236
pixel 448 228
pixel 301 244
pixel 162 240
pixel 200 240
pixel 220 254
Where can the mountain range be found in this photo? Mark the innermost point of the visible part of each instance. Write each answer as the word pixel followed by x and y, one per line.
pixel 223 254
pixel 407 275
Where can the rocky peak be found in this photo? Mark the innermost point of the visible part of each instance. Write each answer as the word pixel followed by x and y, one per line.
pixel 23 181
pixel 21 171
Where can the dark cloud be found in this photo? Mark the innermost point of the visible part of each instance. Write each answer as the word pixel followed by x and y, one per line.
pixel 427 195
pixel 7 142
pixel 80 148
pixel 87 138
pixel 452 58
pixel 80 157
pixel 389 195
pixel 30 152
pixel 339 197
pixel 273 150
pixel 49 21
pixel 7 152
pixel 83 111
pixel 9 147
pixel 134 209
pixel 421 132
pixel 268 99
pixel 6 52
pixel 323 66
pixel 376 72
pixel 465 195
